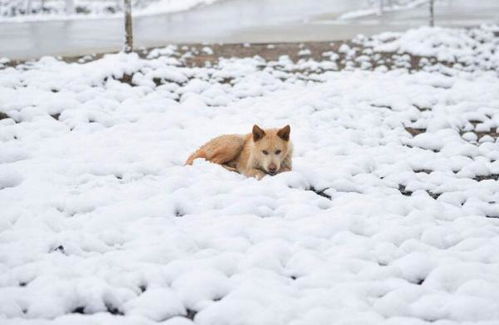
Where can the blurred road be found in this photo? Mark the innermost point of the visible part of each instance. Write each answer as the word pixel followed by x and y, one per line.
pixel 232 21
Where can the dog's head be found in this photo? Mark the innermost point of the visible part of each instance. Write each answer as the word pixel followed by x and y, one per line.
pixel 271 147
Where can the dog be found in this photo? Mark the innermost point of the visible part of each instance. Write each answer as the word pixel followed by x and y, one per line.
pixel 257 154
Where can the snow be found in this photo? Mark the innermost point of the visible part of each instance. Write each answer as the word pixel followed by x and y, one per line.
pixel 15 10
pixel 156 304
pixel 9 178
pixel 376 9
pixel 103 224
pixel 451 45
pixel 172 6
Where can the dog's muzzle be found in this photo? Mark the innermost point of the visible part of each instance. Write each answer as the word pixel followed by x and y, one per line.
pixel 268 172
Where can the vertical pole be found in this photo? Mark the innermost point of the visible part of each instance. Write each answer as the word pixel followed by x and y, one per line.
pixel 128 27
pixel 70 7
pixel 29 7
pixel 432 13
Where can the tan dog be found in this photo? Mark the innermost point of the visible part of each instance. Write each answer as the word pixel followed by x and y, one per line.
pixel 260 153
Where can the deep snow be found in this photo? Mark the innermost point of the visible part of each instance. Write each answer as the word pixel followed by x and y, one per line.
pixel 102 224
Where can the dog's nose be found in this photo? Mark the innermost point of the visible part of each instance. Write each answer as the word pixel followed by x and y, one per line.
pixel 272 169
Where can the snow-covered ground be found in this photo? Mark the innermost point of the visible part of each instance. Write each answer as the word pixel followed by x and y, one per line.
pixel 33 10
pixel 389 216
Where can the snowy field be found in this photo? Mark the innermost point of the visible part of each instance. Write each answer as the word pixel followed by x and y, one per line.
pixel 390 215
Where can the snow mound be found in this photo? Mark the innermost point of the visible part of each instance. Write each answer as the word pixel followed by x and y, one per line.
pixel 9 178
pixel 466 46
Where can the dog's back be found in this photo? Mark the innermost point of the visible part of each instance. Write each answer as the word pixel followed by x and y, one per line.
pixel 220 150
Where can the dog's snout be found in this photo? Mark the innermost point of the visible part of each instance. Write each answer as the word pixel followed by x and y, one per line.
pixel 272 169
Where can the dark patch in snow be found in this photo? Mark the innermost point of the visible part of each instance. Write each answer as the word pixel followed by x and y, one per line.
pixel 426 171
pixel 430 320
pixel 293 277
pixel 422 108
pixel 55 116
pixel 158 81
pixel 475 122
pixel 179 213
pixel 113 310
pixel 434 195
pixel 419 281
pixel 320 192
pixel 78 310
pixel 82 10
pixel 442 86
pixel 59 249
pixel 403 190
pixel 414 131
pixel 226 80
pixel 3 116
pixel 191 314
pixel 493 132
pixel 22 284
pixel 143 288
pixel 480 178
pixel 127 79
pixel 381 106
pixel 165 80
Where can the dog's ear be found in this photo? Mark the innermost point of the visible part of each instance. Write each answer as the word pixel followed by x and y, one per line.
pixel 258 133
pixel 284 133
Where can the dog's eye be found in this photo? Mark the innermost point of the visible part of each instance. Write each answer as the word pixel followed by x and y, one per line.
pixel 265 152
pixel 277 152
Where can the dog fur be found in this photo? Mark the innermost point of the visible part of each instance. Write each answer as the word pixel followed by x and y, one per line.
pixel 260 153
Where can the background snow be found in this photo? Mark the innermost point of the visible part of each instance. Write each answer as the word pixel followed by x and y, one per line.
pixel 49 9
pixel 101 222
pixel 377 8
